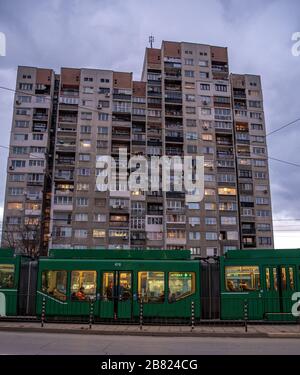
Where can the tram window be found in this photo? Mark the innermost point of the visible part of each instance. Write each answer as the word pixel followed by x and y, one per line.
pixel 151 286
pixel 54 283
pixel 242 278
pixel 108 285
pixel 268 282
pixel 7 276
pixel 283 278
pixel 181 285
pixel 291 278
pixel 83 285
pixel 124 290
pixel 275 278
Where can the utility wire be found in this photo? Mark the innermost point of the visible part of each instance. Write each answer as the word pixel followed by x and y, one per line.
pixel 283 127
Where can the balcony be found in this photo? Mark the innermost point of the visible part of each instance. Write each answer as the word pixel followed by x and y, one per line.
pixel 40 117
pixel 64 176
pixel 170 113
pixel 68 119
pixel 173 76
pixel 123 97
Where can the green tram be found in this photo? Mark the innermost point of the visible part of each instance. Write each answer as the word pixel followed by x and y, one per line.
pixel 117 280
pixel 263 281
pixel 9 282
pixel 260 285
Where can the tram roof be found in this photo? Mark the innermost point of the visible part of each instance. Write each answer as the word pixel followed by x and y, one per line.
pixel 262 253
pixel 119 254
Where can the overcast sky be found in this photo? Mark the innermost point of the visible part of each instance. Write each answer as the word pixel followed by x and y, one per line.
pixel 112 34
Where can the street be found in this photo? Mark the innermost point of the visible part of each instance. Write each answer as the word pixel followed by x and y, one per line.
pixel 54 343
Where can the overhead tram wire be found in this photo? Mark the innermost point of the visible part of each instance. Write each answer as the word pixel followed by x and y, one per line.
pixel 283 127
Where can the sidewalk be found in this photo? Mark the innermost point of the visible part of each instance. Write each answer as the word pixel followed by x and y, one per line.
pixel 271 331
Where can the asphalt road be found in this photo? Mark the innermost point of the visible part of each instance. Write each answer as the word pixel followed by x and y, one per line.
pixel 50 343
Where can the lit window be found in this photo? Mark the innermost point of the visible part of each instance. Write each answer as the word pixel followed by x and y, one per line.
pixel 54 283
pixel 242 278
pixel 181 285
pixel 226 191
pixel 83 285
pixel 7 276
pixel 151 287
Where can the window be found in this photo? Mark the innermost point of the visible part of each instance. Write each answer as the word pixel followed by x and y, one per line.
pixel 103 116
pixel 203 63
pixel 204 86
pixel 189 61
pixel 193 236
pixel 83 285
pixel 80 233
pixel 84 172
pixel 193 206
pixel 228 220
pixel 36 163
pixel 242 278
pixel 226 191
pixel 210 206
pixel 263 213
pixel 54 283
pixel 21 124
pixel 190 110
pixel 14 206
pixel 192 149
pixel 85 129
pixel 84 157
pixel 189 73
pixel 222 88
pixel 18 163
pixel 98 233
pixel 25 86
pixel 82 187
pixel 205 111
pixel 261 200
pixel 194 220
pixel 207 137
pixel 181 285
pixel 37 137
pixel 203 75
pixel 211 236
pixel 81 217
pixel 191 136
pixel 100 218
pixel 263 227
pixel 85 143
pixel 265 240
pixel 210 221
pixel 20 137
pixel 7 276
pixel 151 287
pixel 257 127
pixel 103 130
pixel 82 201
pixel 190 122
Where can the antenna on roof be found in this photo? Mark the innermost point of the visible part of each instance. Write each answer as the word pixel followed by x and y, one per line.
pixel 151 40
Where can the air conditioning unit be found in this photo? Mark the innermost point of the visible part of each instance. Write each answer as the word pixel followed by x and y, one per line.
pixel 107 95
pixel 205 127
pixel 99 106
pixel 18 102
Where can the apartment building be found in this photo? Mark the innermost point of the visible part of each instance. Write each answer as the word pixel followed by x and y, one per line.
pixel 185 104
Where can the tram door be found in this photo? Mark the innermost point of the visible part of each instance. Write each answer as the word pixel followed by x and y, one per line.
pixel 279 287
pixel 116 295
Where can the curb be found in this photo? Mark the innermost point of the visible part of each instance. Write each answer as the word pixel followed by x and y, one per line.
pixel 87 331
